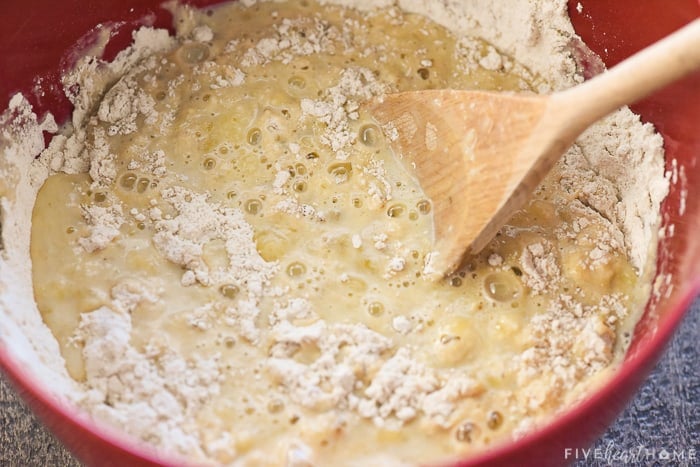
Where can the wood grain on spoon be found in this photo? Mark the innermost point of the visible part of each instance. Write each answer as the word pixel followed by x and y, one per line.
pixel 478 155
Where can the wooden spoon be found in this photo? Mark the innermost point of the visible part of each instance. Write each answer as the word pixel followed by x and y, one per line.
pixel 478 155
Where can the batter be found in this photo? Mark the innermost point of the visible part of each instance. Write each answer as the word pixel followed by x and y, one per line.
pixel 237 273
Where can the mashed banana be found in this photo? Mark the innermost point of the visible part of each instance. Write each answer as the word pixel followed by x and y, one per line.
pixel 236 272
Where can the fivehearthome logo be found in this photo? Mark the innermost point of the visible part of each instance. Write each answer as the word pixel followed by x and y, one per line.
pixel 613 455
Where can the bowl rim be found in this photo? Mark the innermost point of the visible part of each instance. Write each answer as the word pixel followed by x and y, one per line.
pixel 30 387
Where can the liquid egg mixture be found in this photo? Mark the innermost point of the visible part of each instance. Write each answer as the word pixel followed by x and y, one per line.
pixel 236 274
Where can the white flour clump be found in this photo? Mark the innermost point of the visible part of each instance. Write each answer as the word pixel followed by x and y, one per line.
pixel 182 237
pixel 293 38
pixel 540 270
pixel 340 104
pixel 400 389
pixel 152 395
pixel 104 223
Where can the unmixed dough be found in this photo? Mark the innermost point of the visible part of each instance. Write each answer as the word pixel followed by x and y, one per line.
pixel 613 174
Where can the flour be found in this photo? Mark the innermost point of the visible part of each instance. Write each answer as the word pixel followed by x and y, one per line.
pixel 402 325
pixel 566 358
pixel 243 317
pixel 197 222
pixel 152 396
pixel 400 389
pixel 297 209
pixel 128 294
pixel 379 187
pixel 540 270
pixel 23 334
pixel 632 188
pixel 495 259
pixel 151 163
pixel 293 38
pixel 104 225
pixel 475 54
pixel 91 77
pixel 396 264
pixel 339 106
pixel 330 380
pixel 122 105
pixel 102 166
pixel 612 177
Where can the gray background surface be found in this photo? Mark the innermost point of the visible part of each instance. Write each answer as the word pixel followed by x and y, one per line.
pixel 664 418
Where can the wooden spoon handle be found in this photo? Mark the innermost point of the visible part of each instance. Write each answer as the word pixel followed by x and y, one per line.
pixel 654 67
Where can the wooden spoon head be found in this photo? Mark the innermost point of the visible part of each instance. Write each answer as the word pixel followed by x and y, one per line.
pixel 473 154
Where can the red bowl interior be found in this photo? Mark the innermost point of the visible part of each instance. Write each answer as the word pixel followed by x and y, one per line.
pixel 36 39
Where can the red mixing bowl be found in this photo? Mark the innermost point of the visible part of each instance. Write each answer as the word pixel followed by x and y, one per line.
pixel 36 37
